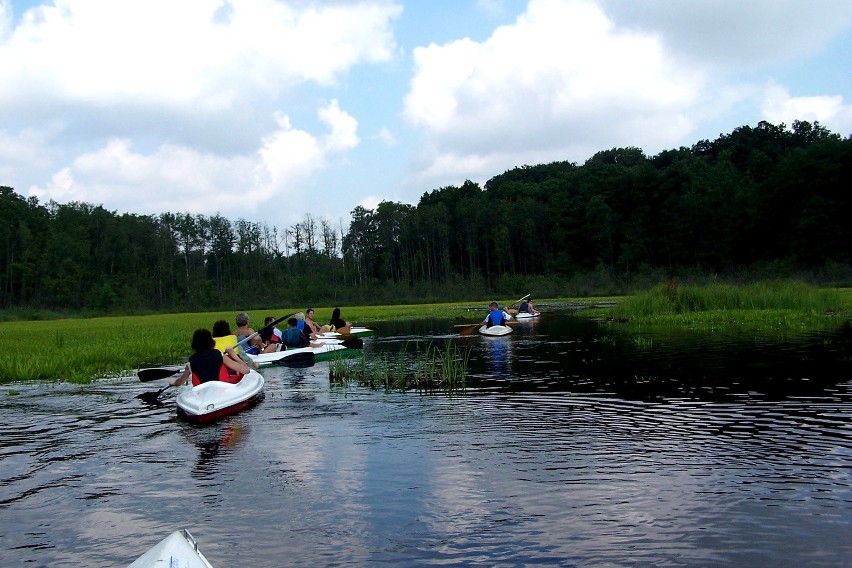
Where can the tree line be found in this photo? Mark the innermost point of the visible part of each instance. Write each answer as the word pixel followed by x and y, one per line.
pixel 770 197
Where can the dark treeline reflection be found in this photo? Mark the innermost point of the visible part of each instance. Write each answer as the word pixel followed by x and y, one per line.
pixel 765 199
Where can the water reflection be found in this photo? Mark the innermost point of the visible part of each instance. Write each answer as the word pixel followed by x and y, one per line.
pixel 574 444
pixel 211 440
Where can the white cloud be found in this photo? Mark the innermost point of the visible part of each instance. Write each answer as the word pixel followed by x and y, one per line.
pixel 178 178
pixel 153 105
pixel 736 35
pixel 387 137
pixel 559 81
pixel 829 111
pixel 185 52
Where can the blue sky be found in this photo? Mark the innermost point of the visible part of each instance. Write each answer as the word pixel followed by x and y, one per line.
pixel 270 111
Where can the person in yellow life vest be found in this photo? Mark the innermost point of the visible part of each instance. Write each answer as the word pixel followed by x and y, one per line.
pixel 224 338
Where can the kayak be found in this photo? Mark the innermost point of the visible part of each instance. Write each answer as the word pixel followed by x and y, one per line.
pixel 213 400
pixel 525 315
pixel 355 332
pixel 495 330
pixel 177 549
pixel 321 353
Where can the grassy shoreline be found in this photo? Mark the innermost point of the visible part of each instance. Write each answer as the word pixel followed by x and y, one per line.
pixel 80 350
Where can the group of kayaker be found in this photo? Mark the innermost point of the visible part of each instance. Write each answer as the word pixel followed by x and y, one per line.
pixel 218 356
pixel 497 316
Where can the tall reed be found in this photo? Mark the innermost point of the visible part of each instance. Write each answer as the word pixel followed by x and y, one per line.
pixel 777 301
pixel 433 369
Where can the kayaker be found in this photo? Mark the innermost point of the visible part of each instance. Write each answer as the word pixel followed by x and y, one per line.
pixel 223 336
pixel 294 338
pixel 496 316
pixel 311 324
pixel 210 364
pixel 527 307
pixel 243 330
pixel 337 323
pixel 271 338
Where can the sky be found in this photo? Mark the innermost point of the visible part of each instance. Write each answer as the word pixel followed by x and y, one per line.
pixel 273 110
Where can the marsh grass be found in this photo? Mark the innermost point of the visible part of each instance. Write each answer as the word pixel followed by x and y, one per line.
pixel 766 305
pixel 434 369
pixel 83 349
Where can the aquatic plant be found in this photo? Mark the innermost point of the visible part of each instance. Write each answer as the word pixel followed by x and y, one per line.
pixel 433 369
pixel 764 305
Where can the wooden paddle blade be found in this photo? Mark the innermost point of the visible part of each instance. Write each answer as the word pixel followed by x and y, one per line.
pixel 298 360
pixel 469 329
pixel 157 373
pixel 353 343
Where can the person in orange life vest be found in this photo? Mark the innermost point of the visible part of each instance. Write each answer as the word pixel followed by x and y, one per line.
pixel 209 364
pixel 496 316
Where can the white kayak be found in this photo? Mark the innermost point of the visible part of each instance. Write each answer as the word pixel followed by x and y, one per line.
pixel 320 353
pixel 495 330
pixel 354 331
pixel 213 400
pixel 178 550
pixel 525 315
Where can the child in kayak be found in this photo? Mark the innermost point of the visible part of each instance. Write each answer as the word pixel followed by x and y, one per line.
pixel 210 364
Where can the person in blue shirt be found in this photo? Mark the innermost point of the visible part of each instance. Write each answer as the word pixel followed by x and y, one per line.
pixel 496 316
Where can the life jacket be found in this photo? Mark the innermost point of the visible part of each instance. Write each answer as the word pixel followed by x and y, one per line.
pixel 294 338
pixel 208 366
pixel 226 341
pixel 496 317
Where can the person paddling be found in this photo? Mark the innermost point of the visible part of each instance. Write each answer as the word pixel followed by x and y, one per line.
pixel 527 307
pixel 210 364
pixel 496 316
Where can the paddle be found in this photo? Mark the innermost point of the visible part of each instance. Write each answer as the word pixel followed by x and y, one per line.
pixel 152 397
pixel 156 373
pixel 469 328
pixel 264 328
pixel 298 360
pixel 349 343
pixel 339 337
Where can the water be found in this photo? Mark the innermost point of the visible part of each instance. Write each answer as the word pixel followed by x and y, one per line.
pixel 573 446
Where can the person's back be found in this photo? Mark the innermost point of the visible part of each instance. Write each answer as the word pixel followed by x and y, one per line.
pixel 293 336
pixel 524 308
pixel 207 366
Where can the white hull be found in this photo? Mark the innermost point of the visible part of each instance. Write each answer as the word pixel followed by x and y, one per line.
pixel 177 549
pixel 495 330
pixel 329 346
pixel 356 331
pixel 523 316
pixel 216 399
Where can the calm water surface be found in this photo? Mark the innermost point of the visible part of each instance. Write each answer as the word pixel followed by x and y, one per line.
pixel 574 445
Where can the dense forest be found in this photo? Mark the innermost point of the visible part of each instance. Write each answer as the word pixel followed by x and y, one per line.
pixel 763 200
